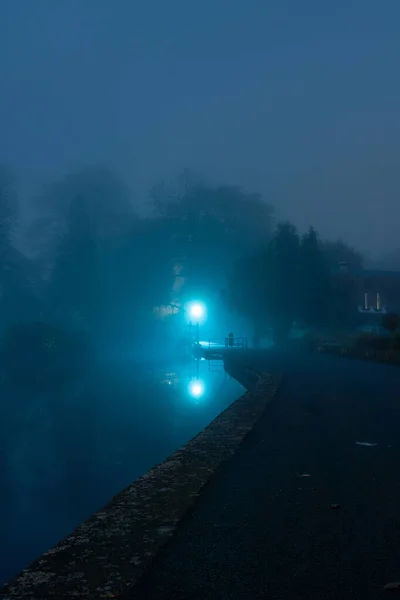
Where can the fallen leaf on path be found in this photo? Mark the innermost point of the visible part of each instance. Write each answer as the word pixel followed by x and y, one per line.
pixel 366 444
pixel 394 586
pixel 334 506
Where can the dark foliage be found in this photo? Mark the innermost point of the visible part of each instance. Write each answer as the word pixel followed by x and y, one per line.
pixel 391 321
pixel 375 342
pixel 42 356
pixel 292 279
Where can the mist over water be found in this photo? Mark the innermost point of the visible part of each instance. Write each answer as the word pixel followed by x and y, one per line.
pixel 62 468
pixel 160 156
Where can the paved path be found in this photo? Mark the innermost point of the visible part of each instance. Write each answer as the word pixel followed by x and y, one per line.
pixel 261 531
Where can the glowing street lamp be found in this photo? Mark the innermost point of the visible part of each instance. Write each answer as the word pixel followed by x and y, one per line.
pixel 197 312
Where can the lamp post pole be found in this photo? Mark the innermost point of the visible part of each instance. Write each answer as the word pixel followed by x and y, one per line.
pixel 196 312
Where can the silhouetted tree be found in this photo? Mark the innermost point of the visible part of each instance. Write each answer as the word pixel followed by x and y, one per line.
pixel 265 286
pixel 74 287
pixel 283 280
pixel 107 199
pixel 245 292
pixel 20 285
pixel 137 276
pixel 107 203
pixel 315 281
pixel 211 227
pixel 151 246
pixel 345 299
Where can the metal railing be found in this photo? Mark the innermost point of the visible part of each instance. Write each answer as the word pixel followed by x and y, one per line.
pixel 236 342
pixel 228 342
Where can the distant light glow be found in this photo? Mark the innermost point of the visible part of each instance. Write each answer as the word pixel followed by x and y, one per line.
pixel 197 311
pixel 196 388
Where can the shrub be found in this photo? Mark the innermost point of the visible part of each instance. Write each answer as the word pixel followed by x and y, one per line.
pixel 390 321
pixel 42 355
pixel 373 341
pixel 396 340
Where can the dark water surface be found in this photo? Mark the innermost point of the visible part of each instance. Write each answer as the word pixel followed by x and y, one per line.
pixel 65 454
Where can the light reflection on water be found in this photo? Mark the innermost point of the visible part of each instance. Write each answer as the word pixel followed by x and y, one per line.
pixel 63 458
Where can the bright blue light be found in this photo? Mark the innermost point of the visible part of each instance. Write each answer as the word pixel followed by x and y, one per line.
pixel 196 388
pixel 196 311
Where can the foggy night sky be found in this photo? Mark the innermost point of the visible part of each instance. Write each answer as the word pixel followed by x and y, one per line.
pixel 299 100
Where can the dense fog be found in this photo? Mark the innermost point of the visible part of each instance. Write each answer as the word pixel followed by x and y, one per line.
pixel 237 156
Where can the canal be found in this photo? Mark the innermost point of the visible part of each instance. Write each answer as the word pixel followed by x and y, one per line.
pixel 65 455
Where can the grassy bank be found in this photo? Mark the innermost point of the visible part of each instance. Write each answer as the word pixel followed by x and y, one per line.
pixel 363 346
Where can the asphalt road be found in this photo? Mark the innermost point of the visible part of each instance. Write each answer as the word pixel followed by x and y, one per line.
pixel 261 531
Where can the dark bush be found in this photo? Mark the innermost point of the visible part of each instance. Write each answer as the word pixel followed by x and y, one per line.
pixel 42 355
pixel 390 321
pixel 373 341
pixel 396 341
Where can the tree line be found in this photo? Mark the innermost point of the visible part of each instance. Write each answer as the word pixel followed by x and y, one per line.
pixel 91 263
pixel 87 273
pixel 295 278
